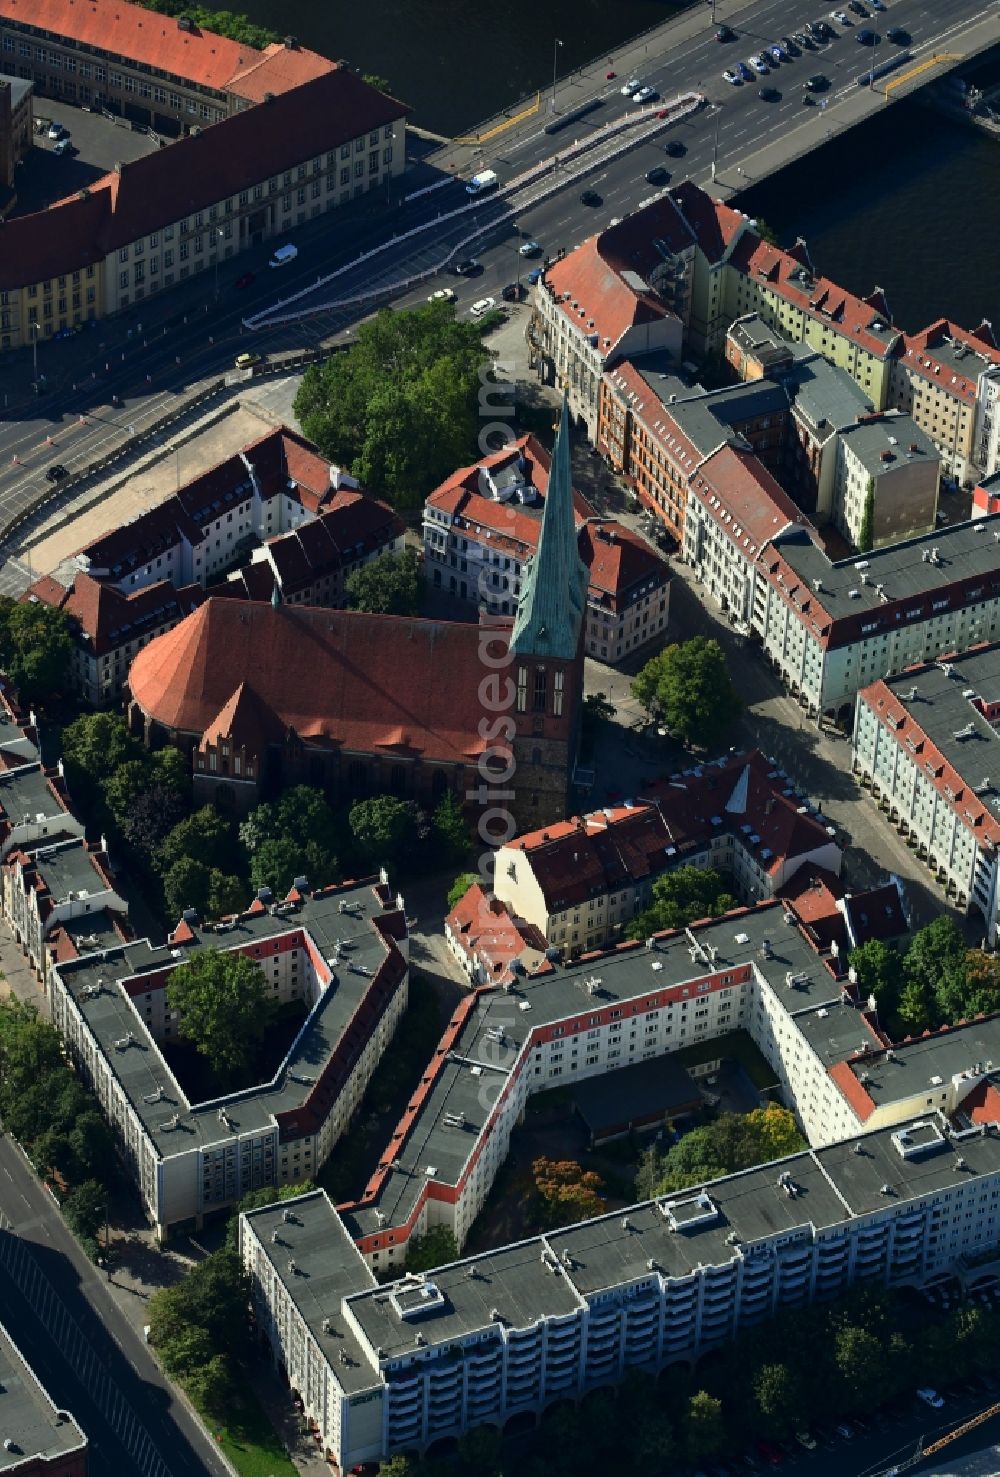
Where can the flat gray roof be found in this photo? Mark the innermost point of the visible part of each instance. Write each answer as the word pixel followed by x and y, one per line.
pixel 513 1280
pixel 635 1093
pixel 928 1063
pixel 25 793
pixel 706 417
pixel 824 392
pixel 328 1269
pixel 28 1416
pixel 941 709
pixel 140 1066
pixel 836 1032
pixel 68 868
pixel 870 441
pixel 965 551
pixel 861 1176
pixel 19 88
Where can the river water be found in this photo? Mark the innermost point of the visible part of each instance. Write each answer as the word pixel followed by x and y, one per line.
pixel 909 201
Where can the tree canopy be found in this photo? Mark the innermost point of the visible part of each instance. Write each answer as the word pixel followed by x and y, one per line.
pixel 35 647
pixel 689 688
pixel 223 22
pixel 434 1248
pixel 460 887
pixel 401 406
pixel 297 835
pixel 450 836
pixel 391 584
pixel 681 897
pixel 225 1008
pixel 385 828
pixel 730 1143
pixel 197 1324
pixel 566 1192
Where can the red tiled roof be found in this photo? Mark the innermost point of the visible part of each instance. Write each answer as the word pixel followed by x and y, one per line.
pixel 590 855
pixel 876 914
pixel 490 934
pixel 917 351
pixel 813 894
pixel 339 678
pixel 278 69
pixel 354 525
pixel 982 1104
pixel 714 225
pixel 247 721
pixel 192 174
pixel 141 35
pixel 592 274
pixel 857 1098
pixel 757 507
pixel 679 450
pixel 618 561
pixel 106 618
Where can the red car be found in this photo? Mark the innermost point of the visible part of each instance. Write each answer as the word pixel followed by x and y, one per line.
pixel 610 75
pixel 663 113
pixel 246 279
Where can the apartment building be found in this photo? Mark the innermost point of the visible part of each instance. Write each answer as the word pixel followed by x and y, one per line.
pixel 172 214
pixel 138 581
pixel 896 1195
pixel 620 294
pixel 16 130
pixel 41 1440
pixel 924 742
pixel 581 882
pixel 887 475
pixel 163 72
pixel 489 941
pixel 948 379
pixel 656 429
pixel 52 891
pixel 482 526
pixel 341 952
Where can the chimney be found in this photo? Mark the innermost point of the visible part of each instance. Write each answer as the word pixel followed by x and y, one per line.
pixel 291 43
pixel 119 166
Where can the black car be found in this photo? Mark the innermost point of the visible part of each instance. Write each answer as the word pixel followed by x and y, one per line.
pixel 56 473
pixel 675 148
pixel 658 176
pixel 769 94
pixel 725 33
pixel 818 83
pixel 590 197
pixel 513 292
pixel 467 268
pixel 857 7
pixel 867 38
pixel 898 36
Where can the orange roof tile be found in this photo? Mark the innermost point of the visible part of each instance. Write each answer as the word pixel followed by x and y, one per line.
pixel 278 69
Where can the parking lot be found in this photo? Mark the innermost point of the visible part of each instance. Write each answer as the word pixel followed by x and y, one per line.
pixel 97 145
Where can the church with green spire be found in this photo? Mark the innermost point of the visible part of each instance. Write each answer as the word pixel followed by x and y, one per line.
pixel 546 645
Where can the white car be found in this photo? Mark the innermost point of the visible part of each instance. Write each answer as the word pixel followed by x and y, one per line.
pixel 841 17
pixel 56 130
pixel 530 248
pixel 930 1397
pixel 483 306
pixel 759 64
pixel 630 87
pixel 443 295
pixel 644 95
pixel 733 78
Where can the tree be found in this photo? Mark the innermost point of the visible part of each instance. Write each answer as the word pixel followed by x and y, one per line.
pixel 384 827
pixel 879 968
pixel 866 533
pixel 186 885
pixel 916 1006
pixel 765 231
pixel 681 897
pixel 276 863
pixel 450 835
pixel 980 977
pixel 689 687
pixel 204 835
pixel 94 746
pixel 190 1347
pixel 705 1434
pixel 151 817
pixel 374 80
pixel 86 1209
pixel 227 894
pixel 777 1396
pixel 460 887
pixel 35 647
pixel 566 1191
pixel 225 1008
pixel 212 1386
pixel 391 584
pixel 435 1248
pixel 223 22
pixel 598 708
pixel 401 406
pixel 933 950
pixel 858 1356
pixel 479 1451
pixel 730 1143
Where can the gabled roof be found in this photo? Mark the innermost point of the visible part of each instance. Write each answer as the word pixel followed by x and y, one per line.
pixel 116 28
pixel 277 69
pixel 950 357
pixel 619 562
pixel 714 225
pixel 491 936
pixel 744 498
pixel 339 678
pixel 105 617
pixel 246 721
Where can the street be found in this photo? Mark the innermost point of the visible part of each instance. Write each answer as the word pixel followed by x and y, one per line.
pixel 90 1359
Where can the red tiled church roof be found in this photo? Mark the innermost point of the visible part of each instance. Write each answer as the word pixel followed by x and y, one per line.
pixel 338 678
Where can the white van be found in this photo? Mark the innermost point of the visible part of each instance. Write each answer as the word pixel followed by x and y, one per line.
pixel 283 256
pixel 480 184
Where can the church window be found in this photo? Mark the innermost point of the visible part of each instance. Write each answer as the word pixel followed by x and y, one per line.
pixel 557 696
pixel 540 690
pixel 522 689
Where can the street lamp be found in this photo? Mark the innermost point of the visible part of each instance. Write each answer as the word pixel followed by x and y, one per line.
pixel 34 349
pixel 220 234
pixel 388 172
pixel 556 43
pixel 715 146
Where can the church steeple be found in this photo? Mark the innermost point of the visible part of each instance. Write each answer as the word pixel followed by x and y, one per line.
pixel 553 598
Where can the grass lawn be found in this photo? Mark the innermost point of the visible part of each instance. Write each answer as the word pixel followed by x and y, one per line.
pixel 252 1444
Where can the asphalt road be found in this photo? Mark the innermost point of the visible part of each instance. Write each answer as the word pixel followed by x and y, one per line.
pixel 88 1356
pixel 156 353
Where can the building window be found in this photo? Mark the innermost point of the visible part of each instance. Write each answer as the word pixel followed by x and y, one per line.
pixel 538 703
pixel 522 689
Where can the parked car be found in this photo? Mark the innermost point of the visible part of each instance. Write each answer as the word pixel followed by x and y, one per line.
pixel 898 36
pixel 468 268
pixel 769 1452
pixel 818 83
pixel 804 1438
pixel 841 17
pixel 733 78
pixel 857 7
pixel 535 275
pixel 844 1430
pixel 930 1397
pixel 759 64
pixel 725 33
pixel 483 306
pixel 745 71
pixel 56 472
pixel 530 248
pixel 56 130
pixel 248 359
pixel 645 95
pixel 777 53
pixel 866 38
pixel 769 94
pixel 513 292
